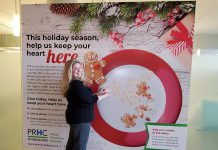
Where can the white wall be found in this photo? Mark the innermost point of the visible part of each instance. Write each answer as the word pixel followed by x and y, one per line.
pixel 10 102
pixel 204 85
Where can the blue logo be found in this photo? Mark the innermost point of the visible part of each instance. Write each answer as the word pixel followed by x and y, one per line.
pixel 37 135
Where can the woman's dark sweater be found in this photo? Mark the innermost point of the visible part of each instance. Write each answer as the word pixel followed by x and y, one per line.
pixel 80 108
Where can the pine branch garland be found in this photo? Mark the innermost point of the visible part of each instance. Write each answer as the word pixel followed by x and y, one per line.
pixel 128 11
pixel 163 8
pixel 187 6
pixel 78 24
pixel 93 10
pixel 110 15
pixel 108 23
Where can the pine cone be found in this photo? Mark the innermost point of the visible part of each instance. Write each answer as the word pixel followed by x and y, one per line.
pixel 64 9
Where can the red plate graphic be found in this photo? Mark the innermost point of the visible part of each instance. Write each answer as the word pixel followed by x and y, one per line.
pixel 171 86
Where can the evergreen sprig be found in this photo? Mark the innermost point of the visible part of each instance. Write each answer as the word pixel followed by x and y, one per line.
pixel 108 23
pixel 187 7
pixel 93 10
pixel 163 8
pixel 78 23
pixel 128 11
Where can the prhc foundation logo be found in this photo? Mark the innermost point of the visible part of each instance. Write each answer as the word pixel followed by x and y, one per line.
pixel 37 135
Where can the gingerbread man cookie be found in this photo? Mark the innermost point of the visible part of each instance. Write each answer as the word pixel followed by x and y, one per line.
pixel 93 69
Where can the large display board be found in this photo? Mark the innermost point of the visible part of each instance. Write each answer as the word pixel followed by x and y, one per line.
pixel 141 51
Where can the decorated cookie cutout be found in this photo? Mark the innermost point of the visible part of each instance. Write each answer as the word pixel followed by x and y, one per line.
pixel 93 69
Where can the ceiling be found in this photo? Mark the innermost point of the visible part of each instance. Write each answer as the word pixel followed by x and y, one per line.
pixel 206 13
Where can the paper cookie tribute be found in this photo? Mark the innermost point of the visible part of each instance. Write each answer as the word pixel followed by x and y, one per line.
pixel 93 69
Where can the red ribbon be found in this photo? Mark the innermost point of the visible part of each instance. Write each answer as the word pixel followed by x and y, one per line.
pixel 182 37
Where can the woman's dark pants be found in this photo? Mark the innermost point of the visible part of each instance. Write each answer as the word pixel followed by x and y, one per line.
pixel 78 136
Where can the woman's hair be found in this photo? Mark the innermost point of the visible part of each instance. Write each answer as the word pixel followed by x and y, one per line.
pixel 65 78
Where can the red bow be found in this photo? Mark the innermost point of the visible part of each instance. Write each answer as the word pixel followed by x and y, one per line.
pixel 182 40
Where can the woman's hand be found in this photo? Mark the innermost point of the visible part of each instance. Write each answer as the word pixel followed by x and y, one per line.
pixel 102 93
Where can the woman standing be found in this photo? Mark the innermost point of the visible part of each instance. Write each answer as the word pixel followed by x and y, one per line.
pixel 80 108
